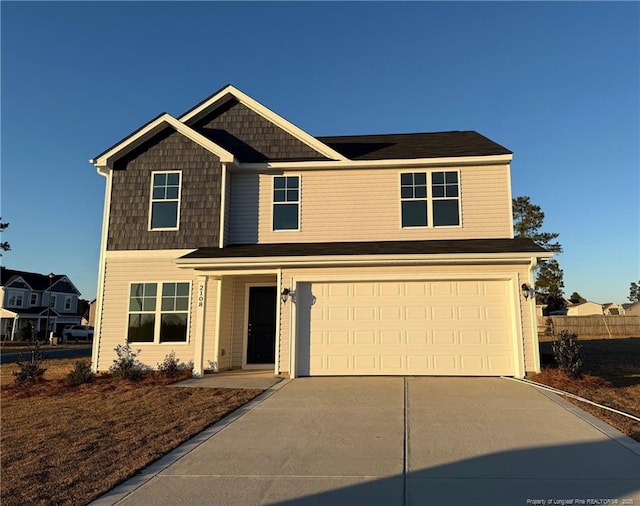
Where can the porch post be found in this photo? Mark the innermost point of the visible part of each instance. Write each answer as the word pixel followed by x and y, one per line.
pixel 13 327
pixel 198 366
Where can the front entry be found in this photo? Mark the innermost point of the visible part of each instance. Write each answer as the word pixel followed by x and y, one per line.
pixel 261 328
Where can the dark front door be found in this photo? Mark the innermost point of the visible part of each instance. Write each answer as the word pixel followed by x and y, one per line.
pixel 261 338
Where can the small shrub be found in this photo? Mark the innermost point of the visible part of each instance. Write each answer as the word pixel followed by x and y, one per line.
pixel 127 365
pixel 169 366
pixel 566 352
pixel 80 374
pixel 30 371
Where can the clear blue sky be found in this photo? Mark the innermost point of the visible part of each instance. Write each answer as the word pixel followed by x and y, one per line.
pixel 557 83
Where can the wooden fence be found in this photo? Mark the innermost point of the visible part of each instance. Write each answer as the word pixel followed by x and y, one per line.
pixel 604 326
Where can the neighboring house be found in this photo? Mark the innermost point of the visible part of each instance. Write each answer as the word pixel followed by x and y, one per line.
pixel 632 309
pixel 31 298
pixel 584 309
pixel 612 309
pixel 238 240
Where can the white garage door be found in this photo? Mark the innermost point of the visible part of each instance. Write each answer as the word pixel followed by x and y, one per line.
pixel 417 327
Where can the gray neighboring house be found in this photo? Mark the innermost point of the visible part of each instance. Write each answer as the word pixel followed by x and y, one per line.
pixel 27 297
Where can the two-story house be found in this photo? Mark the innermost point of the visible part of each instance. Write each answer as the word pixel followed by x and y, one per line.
pixel 238 240
pixel 29 298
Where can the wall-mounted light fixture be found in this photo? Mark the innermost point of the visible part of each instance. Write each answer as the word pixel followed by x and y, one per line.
pixel 284 295
pixel 527 291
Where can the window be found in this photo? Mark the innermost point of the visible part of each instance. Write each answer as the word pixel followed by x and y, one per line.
pixel 15 299
pixel 441 201
pixel 286 202
pixel 158 317
pixel 67 302
pixel 165 200
pixel 444 188
pixel 413 197
pixel 52 301
pixel 34 299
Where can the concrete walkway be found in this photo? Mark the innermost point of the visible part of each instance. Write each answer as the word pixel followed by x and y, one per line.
pixel 396 441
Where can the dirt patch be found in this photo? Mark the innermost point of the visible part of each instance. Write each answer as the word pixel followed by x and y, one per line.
pixel 612 378
pixel 68 445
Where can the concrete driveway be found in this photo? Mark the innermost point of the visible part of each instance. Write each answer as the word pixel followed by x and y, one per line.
pixel 396 441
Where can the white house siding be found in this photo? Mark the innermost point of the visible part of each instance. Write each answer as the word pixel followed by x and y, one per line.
pixel 364 205
pixel 519 273
pixel 225 335
pixel 124 268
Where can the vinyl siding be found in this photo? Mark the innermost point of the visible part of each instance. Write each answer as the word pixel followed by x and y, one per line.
pixel 120 271
pixel 364 205
pixel 520 272
pixel 226 322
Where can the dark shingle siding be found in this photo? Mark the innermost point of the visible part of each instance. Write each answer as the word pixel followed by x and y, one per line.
pixel 250 137
pixel 372 248
pixel 417 145
pixel 200 195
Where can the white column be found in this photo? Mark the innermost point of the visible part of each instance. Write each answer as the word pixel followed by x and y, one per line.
pixel 201 293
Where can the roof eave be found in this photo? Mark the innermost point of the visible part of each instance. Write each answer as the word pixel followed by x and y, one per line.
pixel 347 260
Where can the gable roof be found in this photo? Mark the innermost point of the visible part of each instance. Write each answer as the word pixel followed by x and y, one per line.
pixel 230 92
pixel 38 282
pixel 155 126
pixel 415 145
pixel 256 124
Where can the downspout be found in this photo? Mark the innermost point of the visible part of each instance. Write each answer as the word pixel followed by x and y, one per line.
pixel 97 335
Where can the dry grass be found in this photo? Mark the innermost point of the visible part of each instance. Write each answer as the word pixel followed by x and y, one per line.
pixel 67 446
pixel 612 378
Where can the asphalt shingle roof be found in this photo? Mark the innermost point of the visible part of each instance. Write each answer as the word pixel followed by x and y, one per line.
pixel 371 248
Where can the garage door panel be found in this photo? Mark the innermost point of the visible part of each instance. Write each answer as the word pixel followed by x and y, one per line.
pixel 417 327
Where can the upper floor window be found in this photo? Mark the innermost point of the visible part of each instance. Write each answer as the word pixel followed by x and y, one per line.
pixel 165 200
pixel 67 302
pixel 15 299
pixel 52 301
pixel 445 194
pixel 158 317
pixel 286 202
pixel 438 202
pixel 413 197
pixel 34 299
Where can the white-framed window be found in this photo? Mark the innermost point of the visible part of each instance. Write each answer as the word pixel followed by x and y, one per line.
pixel 159 312
pixel 16 299
pixel 164 209
pixel 52 300
pixel 445 193
pixel 430 199
pixel 67 302
pixel 33 300
pixel 286 202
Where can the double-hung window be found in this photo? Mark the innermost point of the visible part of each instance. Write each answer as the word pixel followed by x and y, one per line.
pixel 445 195
pixel 413 196
pixel 67 302
pixel 430 199
pixel 15 299
pixel 159 312
pixel 165 200
pixel 34 299
pixel 286 202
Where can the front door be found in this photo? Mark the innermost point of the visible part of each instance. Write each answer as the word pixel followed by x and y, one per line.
pixel 261 331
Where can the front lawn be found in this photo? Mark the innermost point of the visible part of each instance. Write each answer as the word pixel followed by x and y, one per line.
pixel 68 445
pixel 612 378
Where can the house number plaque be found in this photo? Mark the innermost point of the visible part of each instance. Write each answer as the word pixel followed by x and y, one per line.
pixel 201 295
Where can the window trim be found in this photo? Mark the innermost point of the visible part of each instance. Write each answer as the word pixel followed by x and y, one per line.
pixel 430 199
pixel 67 299
pixel 52 300
pixel 157 312
pixel 15 296
pixel 274 203
pixel 33 295
pixel 152 200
